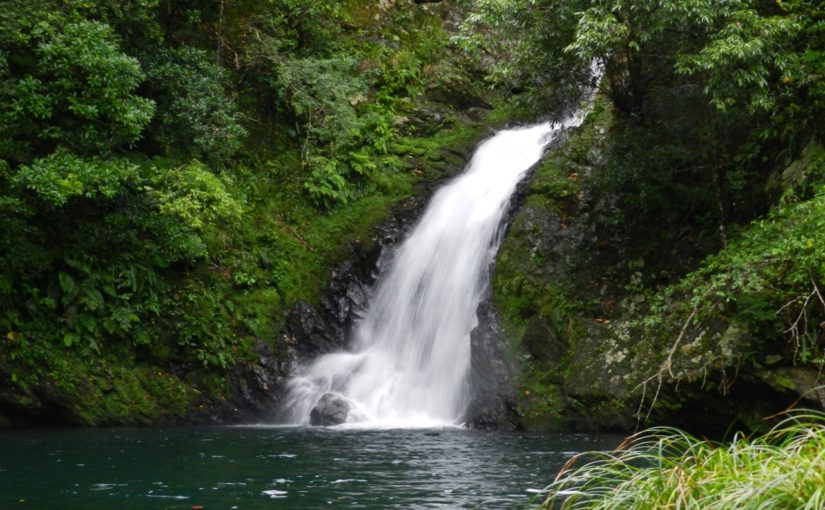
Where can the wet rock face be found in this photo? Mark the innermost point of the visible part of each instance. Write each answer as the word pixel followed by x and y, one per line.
pixel 255 384
pixel 314 330
pixel 492 373
pixel 332 409
pixel 310 331
pixel 588 358
pixel 542 343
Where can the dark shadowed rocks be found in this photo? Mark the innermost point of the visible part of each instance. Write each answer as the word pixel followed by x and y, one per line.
pixel 492 373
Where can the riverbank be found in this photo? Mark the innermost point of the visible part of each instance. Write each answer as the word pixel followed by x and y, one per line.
pixel 668 468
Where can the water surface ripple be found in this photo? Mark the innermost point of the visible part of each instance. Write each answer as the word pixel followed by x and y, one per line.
pixel 280 468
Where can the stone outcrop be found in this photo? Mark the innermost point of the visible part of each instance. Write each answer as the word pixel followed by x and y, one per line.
pixel 332 409
pixel 492 374
pixel 572 295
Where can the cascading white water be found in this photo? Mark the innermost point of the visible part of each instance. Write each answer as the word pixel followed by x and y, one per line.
pixel 409 360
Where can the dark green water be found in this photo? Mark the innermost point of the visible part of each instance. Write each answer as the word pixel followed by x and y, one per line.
pixel 279 468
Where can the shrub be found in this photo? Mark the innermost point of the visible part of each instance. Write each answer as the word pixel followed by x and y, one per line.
pixel 667 468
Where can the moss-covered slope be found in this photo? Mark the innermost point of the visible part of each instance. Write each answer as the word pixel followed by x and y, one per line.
pixel 619 321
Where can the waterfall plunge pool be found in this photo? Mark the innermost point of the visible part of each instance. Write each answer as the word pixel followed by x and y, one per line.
pixel 292 468
pixel 410 359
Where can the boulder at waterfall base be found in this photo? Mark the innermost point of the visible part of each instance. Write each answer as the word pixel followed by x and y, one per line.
pixel 332 409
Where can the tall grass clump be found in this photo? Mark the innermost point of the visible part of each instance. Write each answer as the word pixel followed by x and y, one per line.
pixel 665 468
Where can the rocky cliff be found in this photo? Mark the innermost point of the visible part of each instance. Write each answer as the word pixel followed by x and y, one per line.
pixel 613 330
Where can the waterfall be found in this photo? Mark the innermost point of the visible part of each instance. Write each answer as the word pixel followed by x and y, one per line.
pixel 409 359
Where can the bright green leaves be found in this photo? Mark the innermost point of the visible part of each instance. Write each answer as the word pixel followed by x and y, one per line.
pixel 63 175
pixel 67 284
pixel 668 468
pixel 89 230
pixel 741 49
pixel 768 278
pixel 744 53
pixel 112 300
pixel 615 29
pixel 638 41
pixel 713 99
pixel 599 34
pixel 114 228
pixel 338 138
pixel 78 92
pixel 327 184
pixel 30 99
pixel 334 181
pixel 126 228
pixel 765 65
pixel 195 196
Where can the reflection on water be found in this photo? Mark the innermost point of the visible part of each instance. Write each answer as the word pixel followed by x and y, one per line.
pixel 280 468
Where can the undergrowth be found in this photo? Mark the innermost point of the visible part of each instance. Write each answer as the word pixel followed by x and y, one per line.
pixel 665 468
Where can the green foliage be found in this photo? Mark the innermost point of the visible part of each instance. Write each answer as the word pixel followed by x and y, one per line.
pixel 195 116
pixel 73 293
pixel 194 195
pixel 62 175
pixel 162 165
pixel 401 76
pixel 715 110
pixel 667 468
pixel 327 184
pixel 769 64
pixel 742 58
pixel 749 58
pixel 255 32
pixel 637 41
pixel 321 94
pixel 76 90
pixel 772 269
pixel 522 44
pixel 202 325
pixel 98 302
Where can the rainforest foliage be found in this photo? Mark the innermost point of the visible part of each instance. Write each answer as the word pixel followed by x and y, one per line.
pixel 711 97
pixel 174 175
pixel 694 192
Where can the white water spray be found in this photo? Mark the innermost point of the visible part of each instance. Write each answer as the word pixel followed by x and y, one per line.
pixel 409 360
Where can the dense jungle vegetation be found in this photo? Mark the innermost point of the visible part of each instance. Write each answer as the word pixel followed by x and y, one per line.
pixel 685 255
pixel 709 101
pixel 176 174
pixel 667 265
